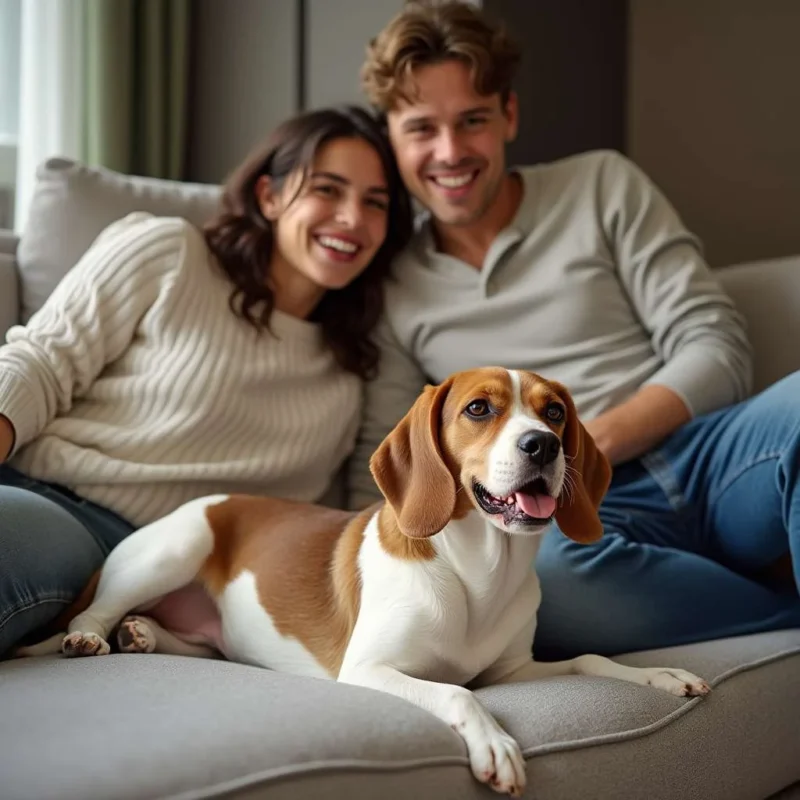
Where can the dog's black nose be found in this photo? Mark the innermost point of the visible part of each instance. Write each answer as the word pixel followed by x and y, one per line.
pixel 541 446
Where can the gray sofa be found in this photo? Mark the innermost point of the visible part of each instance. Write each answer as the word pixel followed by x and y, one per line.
pixel 153 726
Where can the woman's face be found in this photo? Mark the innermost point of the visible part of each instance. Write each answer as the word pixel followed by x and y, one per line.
pixel 328 228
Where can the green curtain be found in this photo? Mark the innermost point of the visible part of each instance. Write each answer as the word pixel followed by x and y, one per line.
pixel 136 61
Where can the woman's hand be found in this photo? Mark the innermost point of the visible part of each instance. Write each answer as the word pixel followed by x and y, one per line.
pixel 7 436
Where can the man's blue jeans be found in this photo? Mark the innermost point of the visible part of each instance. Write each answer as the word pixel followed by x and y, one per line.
pixel 51 541
pixel 688 528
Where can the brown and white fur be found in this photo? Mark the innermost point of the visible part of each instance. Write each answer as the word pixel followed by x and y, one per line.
pixel 419 596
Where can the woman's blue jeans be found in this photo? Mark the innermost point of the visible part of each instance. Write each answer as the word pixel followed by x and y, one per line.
pixel 688 530
pixel 51 541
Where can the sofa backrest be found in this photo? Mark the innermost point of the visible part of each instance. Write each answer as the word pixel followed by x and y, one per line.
pixel 768 294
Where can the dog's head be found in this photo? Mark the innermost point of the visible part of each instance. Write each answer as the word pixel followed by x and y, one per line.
pixel 507 443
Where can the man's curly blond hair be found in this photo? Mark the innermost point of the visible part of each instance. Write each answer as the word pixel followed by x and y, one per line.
pixel 429 32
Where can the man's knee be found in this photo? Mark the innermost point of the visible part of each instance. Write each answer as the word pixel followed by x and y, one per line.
pixel 783 394
pixel 772 416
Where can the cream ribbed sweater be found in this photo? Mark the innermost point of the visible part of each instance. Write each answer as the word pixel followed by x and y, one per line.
pixel 136 386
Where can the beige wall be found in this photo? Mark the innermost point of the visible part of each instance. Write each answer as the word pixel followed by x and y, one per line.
pixel 714 100
pixel 338 32
pixel 242 82
pixel 714 118
pixel 245 77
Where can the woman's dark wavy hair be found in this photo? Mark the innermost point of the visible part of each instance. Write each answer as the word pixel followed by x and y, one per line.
pixel 241 238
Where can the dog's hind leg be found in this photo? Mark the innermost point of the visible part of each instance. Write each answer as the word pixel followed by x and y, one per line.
pixel 141 634
pixel 155 560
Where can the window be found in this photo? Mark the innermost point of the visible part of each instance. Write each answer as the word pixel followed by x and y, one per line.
pixel 10 17
pixel 10 30
pixel 10 14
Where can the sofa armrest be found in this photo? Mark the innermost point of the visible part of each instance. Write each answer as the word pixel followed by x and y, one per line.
pixel 768 294
pixel 9 283
pixel 8 242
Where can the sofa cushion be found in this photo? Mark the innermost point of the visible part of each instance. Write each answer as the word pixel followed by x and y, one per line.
pixel 72 203
pixel 768 294
pixel 610 739
pixel 142 726
pixel 158 726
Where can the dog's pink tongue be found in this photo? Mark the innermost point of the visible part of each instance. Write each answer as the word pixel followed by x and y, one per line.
pixel 540 506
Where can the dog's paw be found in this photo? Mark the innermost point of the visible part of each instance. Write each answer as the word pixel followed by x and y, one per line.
pixel 84 644
pixel 494 756
pixel 678 682
pixel 135 636
pixel 496 760
pixel 506 772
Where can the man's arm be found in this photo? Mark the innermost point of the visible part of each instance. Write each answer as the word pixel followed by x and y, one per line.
pixel 693 324
pixel 387 398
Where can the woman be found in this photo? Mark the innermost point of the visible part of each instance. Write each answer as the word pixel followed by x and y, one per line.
pixel 172 362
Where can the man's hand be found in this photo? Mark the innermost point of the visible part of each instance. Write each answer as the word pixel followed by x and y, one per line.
pixel 636 426
pixel 7 436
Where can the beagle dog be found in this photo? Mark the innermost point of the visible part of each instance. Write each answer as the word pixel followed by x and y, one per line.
pixel 419 596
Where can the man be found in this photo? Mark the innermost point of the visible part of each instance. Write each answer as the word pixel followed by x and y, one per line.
pixel 582 271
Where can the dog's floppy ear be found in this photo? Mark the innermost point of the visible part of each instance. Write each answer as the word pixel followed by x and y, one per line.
pixel 410 471
pixel 588 477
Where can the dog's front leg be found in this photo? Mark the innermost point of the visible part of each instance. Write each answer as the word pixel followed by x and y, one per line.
pixel 675 681
pixel 494 756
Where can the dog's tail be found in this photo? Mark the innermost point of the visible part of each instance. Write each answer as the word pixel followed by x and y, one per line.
pixel 49 647
pixel 53 632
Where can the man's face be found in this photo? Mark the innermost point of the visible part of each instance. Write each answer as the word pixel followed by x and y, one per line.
pixel 450 142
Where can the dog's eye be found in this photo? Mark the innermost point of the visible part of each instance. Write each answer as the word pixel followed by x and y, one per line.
pixel 555 412
pixel 477 408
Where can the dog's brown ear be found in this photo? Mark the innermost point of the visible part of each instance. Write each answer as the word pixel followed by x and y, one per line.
pixel 588 477
pixel 410 471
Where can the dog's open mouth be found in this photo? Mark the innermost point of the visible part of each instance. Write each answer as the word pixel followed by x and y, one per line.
pixel 530 504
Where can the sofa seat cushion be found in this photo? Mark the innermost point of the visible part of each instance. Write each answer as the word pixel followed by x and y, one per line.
pixel 130 727
pixel 602 738
pixel 144 726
